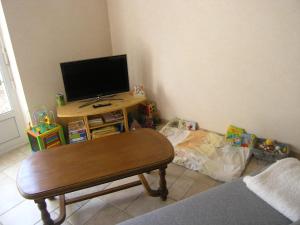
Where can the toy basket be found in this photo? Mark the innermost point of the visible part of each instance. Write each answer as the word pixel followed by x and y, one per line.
pixel 270 156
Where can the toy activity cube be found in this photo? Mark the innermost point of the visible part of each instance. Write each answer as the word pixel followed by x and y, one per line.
pixel 50 138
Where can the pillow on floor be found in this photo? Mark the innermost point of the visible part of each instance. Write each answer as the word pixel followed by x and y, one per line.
pixel 279 186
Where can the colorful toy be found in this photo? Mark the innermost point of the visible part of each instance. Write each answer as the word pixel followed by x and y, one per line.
pixel 48 139
pixel 149 116
pixel 148 108
pixel 234 135
pixel 248 140
pixel 269 146
pixel 272 146
pixel 47 120
pixel 269 142
pixel 43 120
pixel 238 137
pixel 44 133
pixel 270 150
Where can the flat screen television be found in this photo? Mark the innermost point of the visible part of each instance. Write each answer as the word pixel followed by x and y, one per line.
pixel 95 77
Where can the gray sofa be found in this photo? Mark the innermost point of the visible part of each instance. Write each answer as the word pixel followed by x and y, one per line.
pixel 230 203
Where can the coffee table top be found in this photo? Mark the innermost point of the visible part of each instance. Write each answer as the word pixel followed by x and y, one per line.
pixel 73 167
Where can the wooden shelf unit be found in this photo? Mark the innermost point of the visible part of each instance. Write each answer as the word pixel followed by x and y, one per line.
pixel 72 112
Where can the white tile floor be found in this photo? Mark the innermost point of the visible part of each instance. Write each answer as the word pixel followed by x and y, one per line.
pixel 109 209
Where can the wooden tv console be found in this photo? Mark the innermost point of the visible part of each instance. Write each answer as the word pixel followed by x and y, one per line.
pixel 72 112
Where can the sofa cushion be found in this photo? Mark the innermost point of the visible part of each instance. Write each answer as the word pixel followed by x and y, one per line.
pixel 230 203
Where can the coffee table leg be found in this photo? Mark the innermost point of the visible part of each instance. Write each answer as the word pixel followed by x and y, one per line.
pixel 163 184
pixel 44 213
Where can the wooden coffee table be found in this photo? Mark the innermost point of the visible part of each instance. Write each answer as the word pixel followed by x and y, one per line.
pixel 69 168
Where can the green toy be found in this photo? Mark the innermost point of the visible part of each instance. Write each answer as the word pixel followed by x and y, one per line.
pixel 44 133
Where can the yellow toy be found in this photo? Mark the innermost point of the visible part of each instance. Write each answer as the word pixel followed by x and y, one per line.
pixel 269 142
pixel 47 120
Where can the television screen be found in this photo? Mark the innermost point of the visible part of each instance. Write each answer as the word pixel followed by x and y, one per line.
pixel 95 77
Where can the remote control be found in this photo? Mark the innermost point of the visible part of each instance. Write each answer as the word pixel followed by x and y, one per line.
pixel 101 105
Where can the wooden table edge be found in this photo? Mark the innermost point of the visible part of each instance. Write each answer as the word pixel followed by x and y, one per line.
pixel 94 182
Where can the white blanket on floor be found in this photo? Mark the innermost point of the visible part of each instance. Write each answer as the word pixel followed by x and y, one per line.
pixel 279 186
pixel 207 153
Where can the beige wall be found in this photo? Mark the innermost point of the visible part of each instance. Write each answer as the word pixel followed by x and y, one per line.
pixel 45 33
pixel 216 62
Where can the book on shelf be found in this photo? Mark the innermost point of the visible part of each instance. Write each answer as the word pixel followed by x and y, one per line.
pixel 76 125
pixel 104 132
pixel 77 131
pixel 112 116
pixel 77 140
pixel 96 121
pixel 94 136
pixel 77 137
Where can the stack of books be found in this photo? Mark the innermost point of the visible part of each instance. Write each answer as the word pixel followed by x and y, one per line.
pixel 105 131
pixel 77 132
pixel 112 117
pixel 95 122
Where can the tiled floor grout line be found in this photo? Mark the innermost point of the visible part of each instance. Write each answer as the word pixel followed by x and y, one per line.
pixel 128 214
pixel 139 195
pixel 12 207
pixel 99 211
pixel 67 217
pixel 182 175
